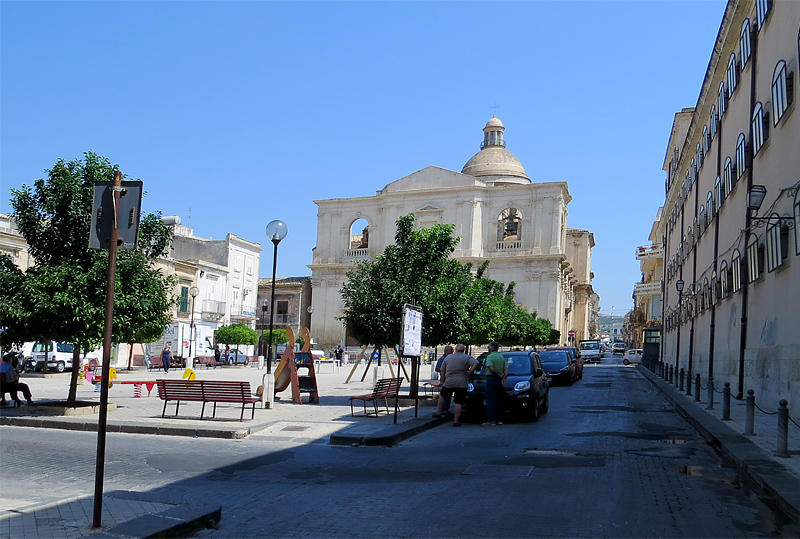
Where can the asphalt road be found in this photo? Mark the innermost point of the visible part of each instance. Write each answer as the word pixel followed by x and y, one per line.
pixel 610 459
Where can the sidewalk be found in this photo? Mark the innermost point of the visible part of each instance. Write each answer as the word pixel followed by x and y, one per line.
pixel 754 455
pixel 125 514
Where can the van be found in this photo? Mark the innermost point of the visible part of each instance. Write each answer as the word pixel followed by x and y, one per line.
pixel 59 355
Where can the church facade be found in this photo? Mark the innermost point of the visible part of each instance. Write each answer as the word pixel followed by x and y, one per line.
pixel 499 215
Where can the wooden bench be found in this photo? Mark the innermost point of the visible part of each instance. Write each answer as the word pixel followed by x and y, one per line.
pixel 208 362
pixel 385 388
pixel 207 391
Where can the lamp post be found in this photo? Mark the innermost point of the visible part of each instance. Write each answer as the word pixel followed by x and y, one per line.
pixel 679 287
pixel 193 291
pixel 264 308
pixel 310 311
pixel 276 231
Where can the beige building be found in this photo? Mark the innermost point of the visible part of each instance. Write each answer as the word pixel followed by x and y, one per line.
pixel 499 214
pixel 647 292
pixel 13 244
pixel 293 308
pixel 735 319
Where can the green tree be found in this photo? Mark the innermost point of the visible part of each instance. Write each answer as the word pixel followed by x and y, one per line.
pixel 238 334
pixel 62 297
pixel 416 270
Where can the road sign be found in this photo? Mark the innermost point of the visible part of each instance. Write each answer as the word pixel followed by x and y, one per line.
pixel 572 333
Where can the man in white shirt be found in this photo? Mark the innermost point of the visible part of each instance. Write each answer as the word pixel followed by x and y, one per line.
pixel 12 384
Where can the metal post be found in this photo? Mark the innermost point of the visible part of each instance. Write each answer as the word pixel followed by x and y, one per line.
pixel 688 383
pixel 272 306
pixel 710 403
pixel 726 402
pixel 750 413
pixel 697 388
pixel 783 429
pixel 672 374
pixel 680 380
pixel 109 320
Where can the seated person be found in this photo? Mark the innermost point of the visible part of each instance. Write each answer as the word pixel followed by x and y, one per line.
pixel 12 384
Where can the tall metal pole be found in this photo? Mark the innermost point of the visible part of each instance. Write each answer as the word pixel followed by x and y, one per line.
pixel 109 319
pixel 275 242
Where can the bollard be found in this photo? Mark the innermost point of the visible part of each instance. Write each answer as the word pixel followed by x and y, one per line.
pixel 669 374
pixel 680 380
pixel 750 413
pixel 697 388
pixel 726 402
pixel 661 370
pixel 688 383
pixel 710 404
pixel 783 429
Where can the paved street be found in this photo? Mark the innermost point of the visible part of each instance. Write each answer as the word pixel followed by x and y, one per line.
pixel 611 458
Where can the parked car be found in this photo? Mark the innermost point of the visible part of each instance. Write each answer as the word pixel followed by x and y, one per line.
pixel 576 357
pixel 526 391
pixel 634 355
pixel 618 348
pixel 59 356
pixel 559 366
pixel 235 357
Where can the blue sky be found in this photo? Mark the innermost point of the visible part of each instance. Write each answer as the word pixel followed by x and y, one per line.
pixel 237 113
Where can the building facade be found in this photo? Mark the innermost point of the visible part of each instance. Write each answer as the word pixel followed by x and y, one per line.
pixel 732 265
pixel 293 307
pixel 499 215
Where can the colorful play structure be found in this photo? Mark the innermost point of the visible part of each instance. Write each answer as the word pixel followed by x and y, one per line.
pixel 287 373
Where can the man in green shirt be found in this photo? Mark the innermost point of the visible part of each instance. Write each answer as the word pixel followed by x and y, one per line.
pixel 496 376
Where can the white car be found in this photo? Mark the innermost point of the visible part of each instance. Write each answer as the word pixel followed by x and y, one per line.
pixel 634 355
pixel 59 355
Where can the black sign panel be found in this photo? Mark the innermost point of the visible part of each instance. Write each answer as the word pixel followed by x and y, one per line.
pixel 130 203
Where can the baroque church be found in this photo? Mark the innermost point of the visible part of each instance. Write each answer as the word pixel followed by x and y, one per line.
pixel 499 215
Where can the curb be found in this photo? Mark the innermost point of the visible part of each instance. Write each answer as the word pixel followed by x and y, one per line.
pixel 387 437
pixel 781 485
pixel 236 434
pixel 180 521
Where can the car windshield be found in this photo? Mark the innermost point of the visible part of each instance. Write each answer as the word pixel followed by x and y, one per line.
pixel 553 359
pixel 590 346
pixel 519 364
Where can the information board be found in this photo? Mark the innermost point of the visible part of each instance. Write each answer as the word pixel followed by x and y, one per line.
pixel 412 330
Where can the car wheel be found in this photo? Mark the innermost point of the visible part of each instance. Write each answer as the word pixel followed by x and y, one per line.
pixel 545 405
pixel 569 380
pixel 533 412
pixel 626 362
pixel 60 367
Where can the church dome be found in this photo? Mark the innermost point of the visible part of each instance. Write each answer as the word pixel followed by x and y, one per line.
pixel 494 163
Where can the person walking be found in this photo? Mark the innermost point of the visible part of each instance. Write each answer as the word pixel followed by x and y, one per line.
pixel 166 357
pixel 455 371
pixel 12 384
pixel 438 368
pixel 338 354
pixel 217 353
pixel 496 376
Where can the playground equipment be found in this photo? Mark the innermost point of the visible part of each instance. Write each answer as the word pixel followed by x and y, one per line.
pixel 286 374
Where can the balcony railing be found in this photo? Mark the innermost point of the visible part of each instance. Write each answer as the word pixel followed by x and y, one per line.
pixel 357 253
pixel 647 289
pixel 213 310
pixel 652 251
pixel 508 245
pixel 243 312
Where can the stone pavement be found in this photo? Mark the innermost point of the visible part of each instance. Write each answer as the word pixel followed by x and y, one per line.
pixel 127 516
pixel 755 455
pixel 124 515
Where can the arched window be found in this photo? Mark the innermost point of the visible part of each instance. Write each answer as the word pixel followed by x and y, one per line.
pixel 711 208
pixel 712 121
pixel 733 75
pixel 703 220
pixel 781 92
pixel 724 280
pixel 713 289
pixel 762 9
pixel 719 193
pixel 755 259
pixel 744 42
pixel 741 156
pixel 777 242
pixel 727 176
pixel 736 271
pixel 757 129
pixel 690 237
pixel 509 225
pixel 359 234
pixel 722 101
pixel 699 156
pixel 706 140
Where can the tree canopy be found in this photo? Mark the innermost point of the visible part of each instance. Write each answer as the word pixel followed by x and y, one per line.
pixel 457 306
pixel 62 297
pixel 238 334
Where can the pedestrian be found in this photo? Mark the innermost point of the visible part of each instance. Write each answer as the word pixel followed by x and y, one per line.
pixel 447 351
pixel 12 384
pixel 496 376
pixel 455 371
pixel 338 354
pixel 217 353
pixel 166 357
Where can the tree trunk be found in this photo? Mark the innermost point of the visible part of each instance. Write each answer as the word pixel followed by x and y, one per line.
pixel 130 355
pixel 73 381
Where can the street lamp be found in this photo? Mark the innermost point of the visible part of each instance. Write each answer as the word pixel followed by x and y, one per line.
pixel 264 308
pixel 276 231
pixel 310 311
pixel 193 291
